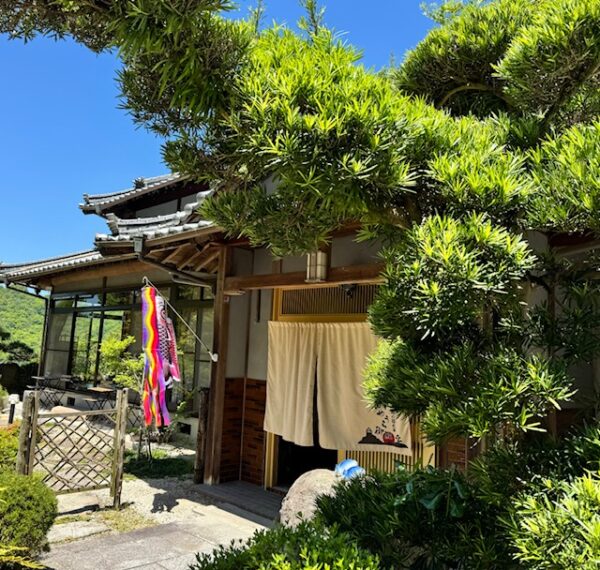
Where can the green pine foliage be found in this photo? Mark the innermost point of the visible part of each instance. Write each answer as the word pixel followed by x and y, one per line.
pixel 337 157
pixel 465 392
pixel 559 527
pixel 566 177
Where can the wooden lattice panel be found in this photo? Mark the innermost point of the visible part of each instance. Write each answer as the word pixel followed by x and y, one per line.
pixel 346 300
pixel 75 451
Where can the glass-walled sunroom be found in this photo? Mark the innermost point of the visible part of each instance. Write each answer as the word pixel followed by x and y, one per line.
pixel 80 322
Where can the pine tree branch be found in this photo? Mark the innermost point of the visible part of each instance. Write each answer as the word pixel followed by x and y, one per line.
pixel 474 87
pixel 566 92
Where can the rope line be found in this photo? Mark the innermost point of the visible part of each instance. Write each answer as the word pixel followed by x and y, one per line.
pixel 213 356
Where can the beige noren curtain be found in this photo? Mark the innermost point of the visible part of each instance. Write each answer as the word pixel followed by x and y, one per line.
pixel 333 354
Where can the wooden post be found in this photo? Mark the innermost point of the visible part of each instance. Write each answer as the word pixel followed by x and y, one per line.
pixel 33 437
pixel 119 446
pixel 201 437
pixel 212 462
pixel 23 453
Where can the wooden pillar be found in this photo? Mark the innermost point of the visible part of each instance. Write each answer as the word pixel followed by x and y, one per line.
pixel 201 437
pixel 214 432
pixel 24 435
pixel 122 407
pixel 46 330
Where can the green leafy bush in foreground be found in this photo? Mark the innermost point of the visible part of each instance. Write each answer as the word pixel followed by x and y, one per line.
pixel 310 546
pixel 560 527
pixel 27 510
pixel 9 446
pixel 430 518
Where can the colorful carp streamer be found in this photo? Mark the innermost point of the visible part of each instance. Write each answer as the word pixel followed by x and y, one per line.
pixel 160 357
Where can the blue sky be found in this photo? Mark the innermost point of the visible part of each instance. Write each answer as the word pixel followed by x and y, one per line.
pixel 62 134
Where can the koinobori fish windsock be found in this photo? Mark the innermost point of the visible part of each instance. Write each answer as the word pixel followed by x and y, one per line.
pixel 160 357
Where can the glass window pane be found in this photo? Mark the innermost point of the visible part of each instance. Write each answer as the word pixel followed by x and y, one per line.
pixel 57 362
pixel 114 324
pixel 59 331
pixel 207 326
pixel 185 293
pixel 91 300
pixel 85 345
pixel 117 298
pixel 132 326
pixel 204 369
pixel 67 303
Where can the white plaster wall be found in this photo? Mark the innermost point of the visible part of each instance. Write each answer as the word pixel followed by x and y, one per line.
pixel 259 323
pixel 238 326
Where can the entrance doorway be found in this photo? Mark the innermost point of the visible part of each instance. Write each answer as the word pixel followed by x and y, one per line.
pixel 295 460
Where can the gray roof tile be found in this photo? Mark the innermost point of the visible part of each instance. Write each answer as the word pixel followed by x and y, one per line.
pixel 97 203
pixel 12 272
pixel 187 219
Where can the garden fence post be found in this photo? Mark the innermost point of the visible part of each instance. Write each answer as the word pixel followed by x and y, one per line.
pixel 33 438
pixel 24 443
pixel 201 437
pixel 119 451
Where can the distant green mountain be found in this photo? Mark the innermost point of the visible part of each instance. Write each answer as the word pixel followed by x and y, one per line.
pixel 23 317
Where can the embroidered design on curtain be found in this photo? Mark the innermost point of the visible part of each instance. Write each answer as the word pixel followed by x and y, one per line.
pixel 161 366
pixel 335 354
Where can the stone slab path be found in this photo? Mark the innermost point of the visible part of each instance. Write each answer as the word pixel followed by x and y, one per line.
pixel 187 521
pixel 171 546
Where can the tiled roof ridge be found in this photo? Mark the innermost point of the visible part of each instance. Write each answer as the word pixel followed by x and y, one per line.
pixel 48 259
pixel 165 224
pixel 98 202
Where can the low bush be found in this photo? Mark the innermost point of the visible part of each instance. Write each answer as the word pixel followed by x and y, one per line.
pixel 308 547
pixel 27 511
pixel 9 446
pixel 559 528
pixel 429 518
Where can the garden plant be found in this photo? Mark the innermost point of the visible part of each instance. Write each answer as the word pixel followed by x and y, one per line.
pixel 467 160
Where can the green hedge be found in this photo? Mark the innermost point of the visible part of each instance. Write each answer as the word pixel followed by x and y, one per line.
pixel 429 518
pixel 27 510
pixel 308 547
pixel 9 446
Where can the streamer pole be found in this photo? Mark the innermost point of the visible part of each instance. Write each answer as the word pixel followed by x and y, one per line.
pixel 214 357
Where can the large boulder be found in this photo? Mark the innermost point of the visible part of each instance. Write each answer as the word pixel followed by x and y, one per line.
pixel 300 502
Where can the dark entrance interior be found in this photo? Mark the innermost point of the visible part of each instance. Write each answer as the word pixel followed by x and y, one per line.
pixel 294 460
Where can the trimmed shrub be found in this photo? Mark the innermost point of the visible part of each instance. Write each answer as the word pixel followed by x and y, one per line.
pixel 27 510
pixel 429 518
pixel 310 546
pixel 559 529
pixel 9 446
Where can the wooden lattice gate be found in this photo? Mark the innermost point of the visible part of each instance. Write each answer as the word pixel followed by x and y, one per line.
pixel 74 450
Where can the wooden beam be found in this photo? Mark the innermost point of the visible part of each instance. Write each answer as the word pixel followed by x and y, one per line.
pixel 179 254
pixel 207 259
pixel 214 432
pixel 98 271
pixel 370 273
pixel 199 251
